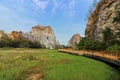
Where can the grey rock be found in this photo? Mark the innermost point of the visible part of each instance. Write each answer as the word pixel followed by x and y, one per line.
pixel 43 34
pixel 3 34
pixel 101 18
pixel 76 38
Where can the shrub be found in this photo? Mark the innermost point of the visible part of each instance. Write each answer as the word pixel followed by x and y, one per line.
pixel 114 48
pixel 19 43
pixel 2 44
pixel 89 44
pixel 117 18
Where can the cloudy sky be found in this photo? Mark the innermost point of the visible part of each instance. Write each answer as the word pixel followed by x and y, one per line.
pixel 66 17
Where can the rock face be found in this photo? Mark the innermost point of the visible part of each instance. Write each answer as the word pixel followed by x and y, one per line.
pixel 44 35
pixel 101 18
pixel 74 41
pixel 16 35
pixel 2 33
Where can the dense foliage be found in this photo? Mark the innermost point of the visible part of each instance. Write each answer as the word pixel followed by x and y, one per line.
pixel 113 48
pixel 18 43
pixel 89 44
pixel 110 42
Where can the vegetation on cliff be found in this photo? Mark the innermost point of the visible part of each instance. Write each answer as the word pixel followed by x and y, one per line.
pixel 117 18
pixel 109 42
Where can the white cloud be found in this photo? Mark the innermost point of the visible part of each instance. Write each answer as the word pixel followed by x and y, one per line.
pixel 41 4
pixel 38 7
pixel 56 4
pixel 11 21
pixel 72 4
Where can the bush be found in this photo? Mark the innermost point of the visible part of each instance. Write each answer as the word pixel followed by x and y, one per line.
pixel 34 44
pixel 89 44
pixel 110 42
pixel 2 43
pixel 110 39
pixel 108 36
pixel 19 43
pixel 114 48
pixel 117 18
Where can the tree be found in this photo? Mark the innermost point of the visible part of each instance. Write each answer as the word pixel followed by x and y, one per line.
pixel 81 44
pixel 111 40
pixel 89 44
pixel 117 18
pixel 35 44
pixel 2 44
pixel 108 37
pixel 114 48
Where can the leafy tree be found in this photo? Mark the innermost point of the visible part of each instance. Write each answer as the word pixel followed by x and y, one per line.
pixel 108 37
pixel 18 43
pixel 35 44
pixel 110 42
pixel 114 48
pixel 117 18
pixel 81 44
pixel 97 45
pixel 89 44
pixel 2 43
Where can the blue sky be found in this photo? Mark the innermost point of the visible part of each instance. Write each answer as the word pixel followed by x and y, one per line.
pixel 66 17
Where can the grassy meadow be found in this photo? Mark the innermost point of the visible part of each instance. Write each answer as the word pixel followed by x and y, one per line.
pixel 43 64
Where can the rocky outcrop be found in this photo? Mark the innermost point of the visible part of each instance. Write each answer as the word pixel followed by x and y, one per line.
pixel 16 35
pixel 103 17
pixel 74 41
pixel 43 34
pixel 2 33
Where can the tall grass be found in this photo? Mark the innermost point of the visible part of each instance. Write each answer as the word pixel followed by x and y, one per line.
pixel 19 64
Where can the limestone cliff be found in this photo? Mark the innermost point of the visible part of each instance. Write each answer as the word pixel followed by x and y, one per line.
pixel 43 34
pixel 74 40
pixel 16 35
pixel 101 18
pixel 2 33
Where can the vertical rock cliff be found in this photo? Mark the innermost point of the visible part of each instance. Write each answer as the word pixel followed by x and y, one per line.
pixel 43 34
pixel 103 17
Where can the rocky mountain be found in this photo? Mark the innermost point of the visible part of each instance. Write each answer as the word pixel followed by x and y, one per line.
pixel 43 34
pixel 74 40
pixel 103 17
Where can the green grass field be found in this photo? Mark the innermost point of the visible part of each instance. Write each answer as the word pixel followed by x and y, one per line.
pixel 43 64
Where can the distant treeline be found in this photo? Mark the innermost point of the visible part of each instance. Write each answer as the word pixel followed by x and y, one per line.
pixel 5 41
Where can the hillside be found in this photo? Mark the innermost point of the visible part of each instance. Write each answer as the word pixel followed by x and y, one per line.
pixel 106 15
